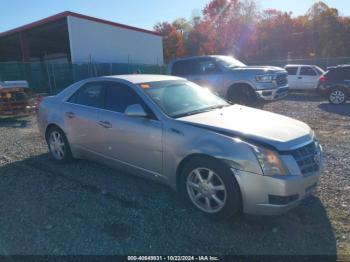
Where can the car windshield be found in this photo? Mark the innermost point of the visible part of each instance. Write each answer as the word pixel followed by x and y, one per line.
pixel 182 98
pixel 229 61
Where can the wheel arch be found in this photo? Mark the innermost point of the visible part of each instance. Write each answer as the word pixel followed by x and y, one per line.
pixel 52 125
pixel 237 85
pixel 343 87
pixel 188 159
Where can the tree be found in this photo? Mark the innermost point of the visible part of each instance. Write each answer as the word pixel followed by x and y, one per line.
pixel 279 34
pixel 173 41
pixel 329 31
pixel 239 28
pixel 182 25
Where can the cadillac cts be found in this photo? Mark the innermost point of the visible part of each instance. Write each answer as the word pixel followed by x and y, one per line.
pixel 222 158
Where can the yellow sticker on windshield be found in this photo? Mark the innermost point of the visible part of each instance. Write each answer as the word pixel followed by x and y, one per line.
pixel 144 86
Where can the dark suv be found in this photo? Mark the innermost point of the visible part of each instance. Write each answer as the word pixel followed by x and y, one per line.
pixel 335 84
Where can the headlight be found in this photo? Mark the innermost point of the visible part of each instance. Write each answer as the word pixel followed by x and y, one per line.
pixel 270 162
pixel 264 78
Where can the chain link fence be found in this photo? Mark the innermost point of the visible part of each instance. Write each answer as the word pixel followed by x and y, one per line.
pixel 52 77
pixel 48 77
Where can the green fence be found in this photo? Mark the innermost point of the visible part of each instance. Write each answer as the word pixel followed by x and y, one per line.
pixel 321 62
pixel 50 77
pixel 46 77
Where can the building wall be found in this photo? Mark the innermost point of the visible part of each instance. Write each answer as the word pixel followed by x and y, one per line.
pixel 103 43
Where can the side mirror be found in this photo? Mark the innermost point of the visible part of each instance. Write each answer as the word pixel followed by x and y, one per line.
pixel 135 111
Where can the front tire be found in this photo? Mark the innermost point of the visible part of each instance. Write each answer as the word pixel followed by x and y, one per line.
pixel 211 188
pixel 337 96
pixel 244 95
pixel 58 145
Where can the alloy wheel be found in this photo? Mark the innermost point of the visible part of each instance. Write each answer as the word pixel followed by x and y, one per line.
pixel 206 190
pixel 57 145
pixel 337 97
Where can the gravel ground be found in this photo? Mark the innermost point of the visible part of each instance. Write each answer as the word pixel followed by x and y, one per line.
pixel 86 208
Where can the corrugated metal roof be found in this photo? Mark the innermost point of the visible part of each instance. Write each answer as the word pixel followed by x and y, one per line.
pixel 68 13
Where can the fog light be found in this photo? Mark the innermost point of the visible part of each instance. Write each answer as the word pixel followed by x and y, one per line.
pixel 267 93
pixel 282 200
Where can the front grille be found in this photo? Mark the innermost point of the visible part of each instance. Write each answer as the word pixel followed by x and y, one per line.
pixel 282 80
pixel 308 158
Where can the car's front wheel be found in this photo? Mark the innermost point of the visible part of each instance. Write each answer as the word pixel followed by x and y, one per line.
pixel 211 187
pixel 337 96
pixel 58 145
pixel 244 95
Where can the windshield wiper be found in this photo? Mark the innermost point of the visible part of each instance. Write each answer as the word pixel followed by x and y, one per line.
pixel 199 111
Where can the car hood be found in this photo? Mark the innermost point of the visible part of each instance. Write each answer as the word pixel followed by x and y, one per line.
pixel 256 126
pixel 262 69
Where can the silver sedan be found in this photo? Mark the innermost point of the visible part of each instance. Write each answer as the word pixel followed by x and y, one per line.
pixel 222 158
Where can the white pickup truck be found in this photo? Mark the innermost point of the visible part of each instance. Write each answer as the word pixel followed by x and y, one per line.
pixel 303 77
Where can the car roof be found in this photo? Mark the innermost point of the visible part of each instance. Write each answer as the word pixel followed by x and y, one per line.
pixel 134 79
pixel 195 57
pixel 139 78
pixel 297 65
pixel 338 67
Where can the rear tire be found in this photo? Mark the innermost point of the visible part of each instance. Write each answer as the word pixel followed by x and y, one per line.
pixel 337 96
pixel 58 145
pixel 211 188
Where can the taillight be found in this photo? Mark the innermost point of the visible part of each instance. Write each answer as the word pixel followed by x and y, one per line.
pixel 323 79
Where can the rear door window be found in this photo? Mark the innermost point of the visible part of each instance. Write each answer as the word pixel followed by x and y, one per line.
pixel 208 66
pixel 185 67
pixel 307 71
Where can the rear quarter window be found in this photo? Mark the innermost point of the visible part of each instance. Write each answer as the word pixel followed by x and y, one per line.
pixel 90 94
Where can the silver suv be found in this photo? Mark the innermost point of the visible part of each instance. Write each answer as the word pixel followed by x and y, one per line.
pixel 233 80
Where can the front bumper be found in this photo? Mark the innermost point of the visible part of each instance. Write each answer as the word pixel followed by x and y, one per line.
pixel 263 195
pixel 273 94
pixel 17 111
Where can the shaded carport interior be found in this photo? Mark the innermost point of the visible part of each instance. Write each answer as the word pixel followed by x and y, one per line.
pixel 26 53
pixel 36 42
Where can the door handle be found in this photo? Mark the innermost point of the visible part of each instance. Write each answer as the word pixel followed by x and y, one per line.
pixel 105 124
pixel 69 114
pixel 300 77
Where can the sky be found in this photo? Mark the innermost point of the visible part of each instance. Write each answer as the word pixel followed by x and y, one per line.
pixel 140 13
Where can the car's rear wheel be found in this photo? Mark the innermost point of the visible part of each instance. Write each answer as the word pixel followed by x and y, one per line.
pixel 58 145
pixel 211 188
pixel 337 96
